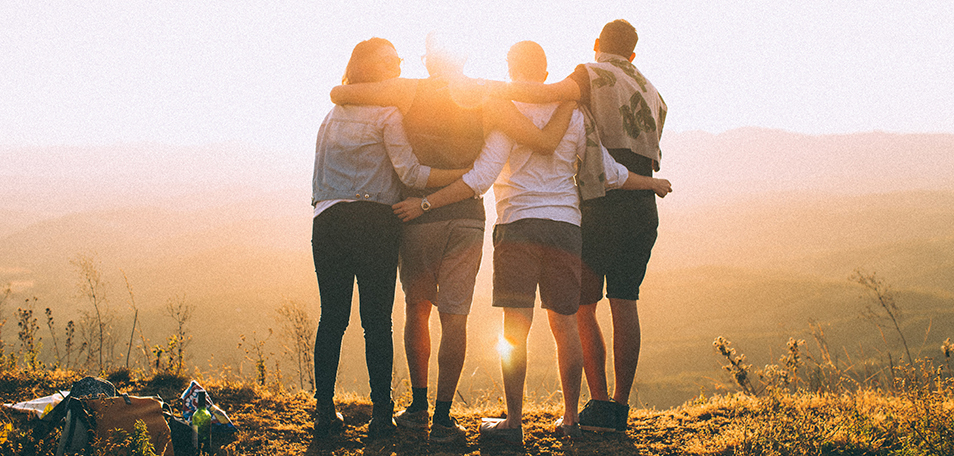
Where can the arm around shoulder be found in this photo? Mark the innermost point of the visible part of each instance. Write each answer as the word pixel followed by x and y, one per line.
pixel 392 92
pixel 537 92
pixel 504 116
pixel 412 208
pixel 441 177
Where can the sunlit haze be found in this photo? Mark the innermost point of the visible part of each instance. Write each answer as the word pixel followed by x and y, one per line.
pixel 195 73
pixel 174 142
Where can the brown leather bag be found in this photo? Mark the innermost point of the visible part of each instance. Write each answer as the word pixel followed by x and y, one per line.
pixel 122 412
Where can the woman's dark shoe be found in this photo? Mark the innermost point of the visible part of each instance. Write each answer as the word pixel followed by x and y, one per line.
pixel 382 421
pixel 327 419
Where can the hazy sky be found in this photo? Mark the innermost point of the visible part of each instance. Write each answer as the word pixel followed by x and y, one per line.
pixel 195 73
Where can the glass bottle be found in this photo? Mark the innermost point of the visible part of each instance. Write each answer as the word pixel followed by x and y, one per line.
pixel 202 420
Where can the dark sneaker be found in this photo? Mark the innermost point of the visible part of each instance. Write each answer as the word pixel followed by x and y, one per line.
pixel 382 421
pixel 622 417
pixel 412 420
pixel 327 420
pixel 444 434
pixel 599 416
pixel 568 431
pixel 489 430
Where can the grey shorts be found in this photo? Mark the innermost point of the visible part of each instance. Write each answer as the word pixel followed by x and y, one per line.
pixel 439 263
pixel 531 252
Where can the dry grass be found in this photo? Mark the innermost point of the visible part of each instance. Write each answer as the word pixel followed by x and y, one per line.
pixel 918 421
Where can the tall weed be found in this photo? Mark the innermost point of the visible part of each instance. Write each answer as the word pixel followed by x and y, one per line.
pixel 255 351
pixel 298 331
pixel 30 344
pixel 181 312
pixel 97 325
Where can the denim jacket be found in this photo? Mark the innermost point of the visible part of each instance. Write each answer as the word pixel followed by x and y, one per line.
pixel 363 154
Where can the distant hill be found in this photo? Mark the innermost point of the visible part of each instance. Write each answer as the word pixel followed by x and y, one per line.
pixel 758 240
pixel 812 232
pixel 247 255
pixel 64 179
pixel 703 167
pixel 683 311
pixel 12 221
pixel 755 273
pixel 712 167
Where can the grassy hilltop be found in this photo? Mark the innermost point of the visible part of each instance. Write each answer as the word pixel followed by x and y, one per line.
pixel 779 411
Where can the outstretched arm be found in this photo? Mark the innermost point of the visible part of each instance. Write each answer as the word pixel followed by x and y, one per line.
pixel 504 116
pixel 396 92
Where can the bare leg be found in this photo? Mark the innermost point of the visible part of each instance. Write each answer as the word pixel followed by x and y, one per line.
pixel 514 368
pixel 450 357
pixel 594 352
pixel 626 344
pixel 417 341
pixel 570 357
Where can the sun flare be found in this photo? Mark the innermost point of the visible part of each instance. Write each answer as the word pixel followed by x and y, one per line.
pixel 504 348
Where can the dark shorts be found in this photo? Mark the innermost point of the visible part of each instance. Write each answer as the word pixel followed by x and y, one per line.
pixel 529 252
pixel 619 231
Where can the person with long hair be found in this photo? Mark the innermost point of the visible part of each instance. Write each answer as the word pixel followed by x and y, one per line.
pixel 362 161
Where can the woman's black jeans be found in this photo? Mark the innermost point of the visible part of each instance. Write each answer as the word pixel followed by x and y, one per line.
pixel 351 241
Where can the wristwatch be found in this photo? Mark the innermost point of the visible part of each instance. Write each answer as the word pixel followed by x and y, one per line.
pixel 425 204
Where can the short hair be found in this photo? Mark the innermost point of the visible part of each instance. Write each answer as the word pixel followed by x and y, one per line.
pixel 618 37
pixel 361 65
pixel 528 59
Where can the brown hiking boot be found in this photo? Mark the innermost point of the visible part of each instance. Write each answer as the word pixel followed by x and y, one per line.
pixel 567 431
pixel 444 434
pixel 412 420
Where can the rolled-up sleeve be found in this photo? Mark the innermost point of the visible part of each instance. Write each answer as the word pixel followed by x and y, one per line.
pixel 489 163
pixel 405 163
pixel 616 174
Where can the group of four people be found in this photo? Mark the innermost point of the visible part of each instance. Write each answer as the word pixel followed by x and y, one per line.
pixel 575 203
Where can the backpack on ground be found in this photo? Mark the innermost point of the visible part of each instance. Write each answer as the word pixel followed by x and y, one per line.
pixel 76 427
pixel 93 410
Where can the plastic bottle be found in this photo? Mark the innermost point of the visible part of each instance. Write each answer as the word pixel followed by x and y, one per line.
pixel 202 420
